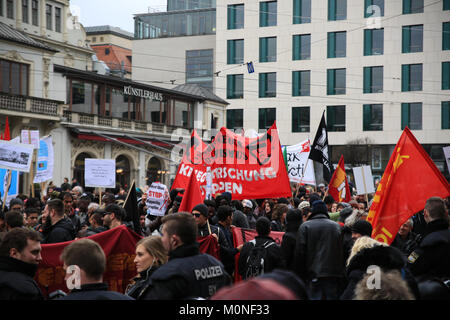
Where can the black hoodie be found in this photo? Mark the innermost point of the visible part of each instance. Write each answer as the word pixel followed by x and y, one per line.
pixel 61 231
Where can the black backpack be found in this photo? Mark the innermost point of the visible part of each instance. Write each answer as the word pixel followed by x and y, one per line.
pixel 256 259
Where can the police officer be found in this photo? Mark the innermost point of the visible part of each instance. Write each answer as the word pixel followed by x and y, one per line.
pixel 188 274
pixel 431 259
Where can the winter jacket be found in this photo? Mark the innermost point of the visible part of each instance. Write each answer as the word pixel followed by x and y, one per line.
pixel 274 258
pixel 288 248
pixel 90 231
pixel 61 231
pixel 95 291
pixel 431 258
pixel 187 275
pixel 318 251
pixel 16 280
pixel 141 284
pixel 387 258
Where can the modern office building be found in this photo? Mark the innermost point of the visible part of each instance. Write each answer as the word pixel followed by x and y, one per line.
pixel 372 66
pixel 177 46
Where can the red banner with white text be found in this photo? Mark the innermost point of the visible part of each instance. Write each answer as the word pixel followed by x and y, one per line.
pixel 248 168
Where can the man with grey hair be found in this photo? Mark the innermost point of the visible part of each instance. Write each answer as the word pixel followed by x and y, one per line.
pixel 406 240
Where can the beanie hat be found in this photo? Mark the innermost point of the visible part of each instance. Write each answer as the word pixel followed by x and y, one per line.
pixel 362 227
pixel 203 209
pixel 319 206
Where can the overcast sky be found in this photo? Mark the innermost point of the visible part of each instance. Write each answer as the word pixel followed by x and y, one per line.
pixel 117 13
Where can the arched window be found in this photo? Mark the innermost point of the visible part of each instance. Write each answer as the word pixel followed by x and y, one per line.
pixel 154 166
pixel 78 169
pixel 123 171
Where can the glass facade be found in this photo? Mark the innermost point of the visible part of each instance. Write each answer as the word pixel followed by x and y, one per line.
pixel 199 67
pixel 175 24
pixel 268 14
pixel 235 51
pixel 174 5
pixel 235 86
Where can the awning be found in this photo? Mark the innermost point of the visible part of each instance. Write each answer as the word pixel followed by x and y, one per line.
pixel 129 141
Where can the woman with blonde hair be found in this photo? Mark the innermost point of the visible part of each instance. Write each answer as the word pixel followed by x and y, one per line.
pixel 368 253
pixel 150 255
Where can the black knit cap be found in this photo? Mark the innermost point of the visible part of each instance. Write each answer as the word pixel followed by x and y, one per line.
pixel 362 227
pixel 203 209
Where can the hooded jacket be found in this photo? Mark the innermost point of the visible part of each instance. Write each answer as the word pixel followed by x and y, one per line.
pixel 386 257
pixel 16 280
pixel 61 231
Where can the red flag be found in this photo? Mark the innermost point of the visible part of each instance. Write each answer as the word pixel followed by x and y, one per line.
pixel 338 187
pixel 7 135
pixel 192 195
pixel 409 179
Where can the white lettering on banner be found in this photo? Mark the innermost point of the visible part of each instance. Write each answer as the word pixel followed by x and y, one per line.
pixel 230 173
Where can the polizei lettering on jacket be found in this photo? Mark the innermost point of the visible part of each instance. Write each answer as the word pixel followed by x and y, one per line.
pixel 146 94
pixel 208 272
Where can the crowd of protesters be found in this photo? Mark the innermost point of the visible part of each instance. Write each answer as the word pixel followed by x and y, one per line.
pixel 326 251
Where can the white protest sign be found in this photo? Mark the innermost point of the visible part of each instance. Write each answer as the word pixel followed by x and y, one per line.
pixel 363 180
pixel 157 199
pixel 447 156
pixel 15 156
pixel 300 169
pixel 100 173
pixel 44 165
pixel 30 137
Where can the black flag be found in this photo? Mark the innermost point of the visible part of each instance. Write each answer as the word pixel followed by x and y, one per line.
pixel 319 149
pixel 131 208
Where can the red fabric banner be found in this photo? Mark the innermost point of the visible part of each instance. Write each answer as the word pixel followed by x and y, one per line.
pixel 119 247
pixel 209 245
pixel 248 168
pixel 241 236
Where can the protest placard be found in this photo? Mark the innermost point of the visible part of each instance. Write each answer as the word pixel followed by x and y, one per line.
pixel 157 199
pixel 300 168
pixel 30 137
pixel 100 173
pixel 44 167
pixel 363 180
pixel 15 156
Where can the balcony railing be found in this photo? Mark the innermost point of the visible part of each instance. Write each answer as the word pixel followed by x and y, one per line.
pixel 30 105
pixel 115 123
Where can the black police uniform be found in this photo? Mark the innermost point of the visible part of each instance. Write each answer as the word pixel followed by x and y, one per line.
pixel 95 291
pixel 187 275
